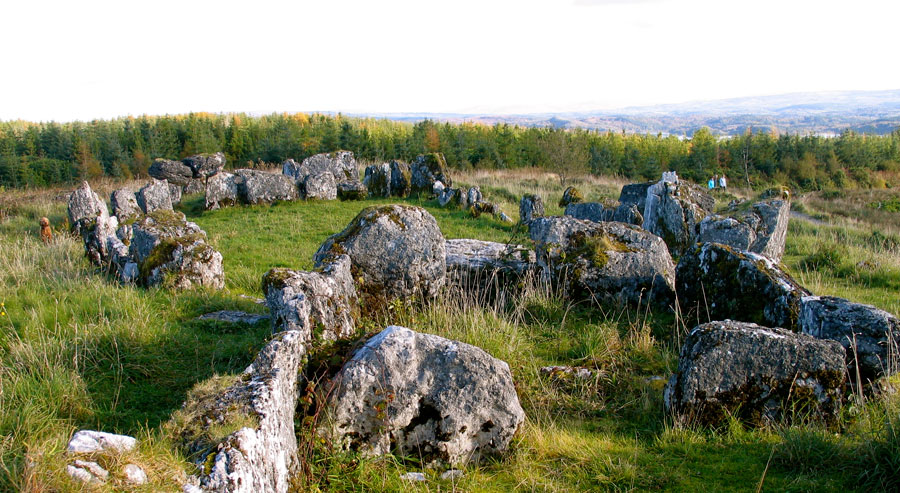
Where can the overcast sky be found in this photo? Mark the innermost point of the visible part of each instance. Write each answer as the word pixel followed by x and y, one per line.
pixel 90 59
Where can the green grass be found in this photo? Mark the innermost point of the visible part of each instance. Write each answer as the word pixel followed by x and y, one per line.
pixel 79 351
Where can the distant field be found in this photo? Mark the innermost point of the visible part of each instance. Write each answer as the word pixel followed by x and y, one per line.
pixel 79 351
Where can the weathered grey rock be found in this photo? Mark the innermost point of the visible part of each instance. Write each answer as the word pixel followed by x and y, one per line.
pixel 154 196
pixel 175 194
pixel 503 217
pixel 124 205
pixel 119 259
pixel 570 196
pixel 413 477
pixel 85 204
pixel 320 186
pixel 452 474
pixel 173 252
pixel 134 475
pixel 222 191
pixel 87 472
pixel 567 372
pixel 628 213
pixel 320 305
pixel 607 261
pixel 234 317
pixel 673 211
pixel 260 187
pixel 447 196
pixel 438 188
pixel 416 394
pixel 401 179
pixel 395 250
pixel 197 185
pixel 717 282
pixel 590 211
pixel 260 457
pixel 352 190
pixel 426 169
pixel 756 374
pixel 172 171
pixel 530 207
pixel 203 166
pixel 378 180
pixel 870 336
pixel 486 265
pixel 473 197
pixel 635 193
pixel 90 441
pixel 762 229
pixel 341 164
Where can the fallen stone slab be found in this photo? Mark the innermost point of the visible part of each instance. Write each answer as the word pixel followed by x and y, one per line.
pixel 234 317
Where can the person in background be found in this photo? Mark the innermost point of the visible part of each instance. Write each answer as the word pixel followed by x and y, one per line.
pixel 711 183
pixel 722 182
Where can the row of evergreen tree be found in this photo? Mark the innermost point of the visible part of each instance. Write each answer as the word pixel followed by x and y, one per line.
pixel 40 154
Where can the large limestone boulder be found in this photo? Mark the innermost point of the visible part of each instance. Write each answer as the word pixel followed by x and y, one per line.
pixel 717 282
pixel 395 250
pixel 222 191
pixel 262 455
pixel 401 179
pixel 530 207
pixel 203 166
pixel 173 252
pixel 124 204
pixel 378 180
pixel 762 229
pixel 155 196
pixel 870 336
pixel 341 164
pixel 487 266
pixel 421 395
pixel 571 195
pixel 426 169
pixel 321 186
pixel 85 204
pixel 352 190
pixel 260 187
pixel 319 305
pixel 604 261
pixel 597 212
pixel 635 193
pixel 755 373
pixel 174 172
pixel 673 211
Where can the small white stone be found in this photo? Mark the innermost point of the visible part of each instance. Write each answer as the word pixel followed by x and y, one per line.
pixel 93 468
pixel 134 474
pixel 413 476
pixel 452 474
pixel 190 488
pixel 89 441
pixel 81 474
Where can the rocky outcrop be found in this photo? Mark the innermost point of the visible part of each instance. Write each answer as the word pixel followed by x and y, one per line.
pixel 175 194
pixel 173 252
pixel 352 190
pixel 427 169
pixel 84 204
pixel 222 191
pixel 260 187
pixel 761 230
pixel 608 261
pixel 870 336
pixel 486 266
pixel 395 251
pixel 320 186
pixel 421 395
pixel 319 305
pixel 756 374
pixel 174 172
pixel 262 454
pixel 570 196
pixel 91 220
pixel 378 180
pixel 203 166
pixel 473 197
pixel 717 282
pixel 530 207
pixel 341 164
pixel 154 196
pixel 635 193
pixel 447 196
pixel 597 212
pixel 124 205
pixel 401 179
pixel 673 211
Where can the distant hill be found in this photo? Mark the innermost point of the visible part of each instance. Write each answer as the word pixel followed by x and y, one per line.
pixel 797 113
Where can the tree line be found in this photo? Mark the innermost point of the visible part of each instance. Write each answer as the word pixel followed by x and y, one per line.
pixel 42 154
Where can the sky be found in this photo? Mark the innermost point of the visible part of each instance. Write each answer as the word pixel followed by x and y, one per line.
pixel 87 59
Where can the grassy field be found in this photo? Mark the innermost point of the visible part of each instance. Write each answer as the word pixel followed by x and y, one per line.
pixel 79 351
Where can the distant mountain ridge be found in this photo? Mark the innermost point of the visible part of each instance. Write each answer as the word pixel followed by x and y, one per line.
pixel 821 113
